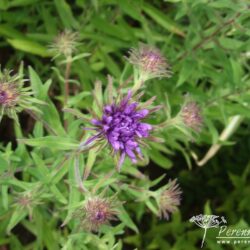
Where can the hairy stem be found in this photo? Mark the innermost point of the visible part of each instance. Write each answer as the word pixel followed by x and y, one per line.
pixel 66 87
pixel 78 175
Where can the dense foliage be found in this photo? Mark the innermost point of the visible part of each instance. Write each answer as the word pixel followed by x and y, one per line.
pixel 121 120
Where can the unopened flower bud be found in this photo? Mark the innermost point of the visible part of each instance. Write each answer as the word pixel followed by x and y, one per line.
pixel 169 199
pixel 65 44
pixel 28 200
pixel 149 62
pixel 14 97
pixel 98 211
pixel 191 116
pixel 8 94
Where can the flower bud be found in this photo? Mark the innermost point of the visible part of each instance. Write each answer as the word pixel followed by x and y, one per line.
pixel 8 94
pixel 98 211
pixel 28 200
pixel 191 115
pixel 14 97
pixel 65 44
pixel 169 199
pixel 149 62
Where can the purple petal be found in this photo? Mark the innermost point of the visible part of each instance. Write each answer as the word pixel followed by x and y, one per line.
pixel 107 119
pixel 130 153
pixel 108 109
pixel 130 108
pixel 115 145
pixel 131 143
pixel 138 150
pixel 141 113
pixel 96 122
pixel 86 128
pixel 138 134
pixel 145 126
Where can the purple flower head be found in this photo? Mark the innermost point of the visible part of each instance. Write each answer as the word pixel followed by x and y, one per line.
pixel 122 126
pixel 149 62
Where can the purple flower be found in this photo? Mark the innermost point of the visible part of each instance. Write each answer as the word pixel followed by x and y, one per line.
pixel 122 126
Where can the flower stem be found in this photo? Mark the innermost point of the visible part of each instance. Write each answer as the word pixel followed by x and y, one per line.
pixel 138 81
pixel 232 126
pixel 66 87
pixel 78 175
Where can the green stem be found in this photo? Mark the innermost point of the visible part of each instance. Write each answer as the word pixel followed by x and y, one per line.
pixel 234 123
pixel 66 87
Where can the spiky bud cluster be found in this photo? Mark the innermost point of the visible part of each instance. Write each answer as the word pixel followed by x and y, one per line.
pixel 169 199
pixel 98 211
pixel 28 200
pixel 191 116
pixel 14 97
pixel 149 62
pixel 65 44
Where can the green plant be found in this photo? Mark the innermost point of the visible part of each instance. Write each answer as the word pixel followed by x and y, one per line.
pixel 50 176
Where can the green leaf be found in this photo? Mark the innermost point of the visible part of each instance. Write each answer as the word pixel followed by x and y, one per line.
pixel 75 58
pixel 66 15
pixel 160 159
pixel 17 3
pixel 125 218
pixel 163 20
pixel 40 89
pixel 90 162
pixel 110 63
pixel 58 194
pixel 29 47
pixel 16 217
pixel 186 72
pixel 4 197
pixel 8 31
pixel 52 142
pixel 3 163
pixel 152 207
pixel 50 116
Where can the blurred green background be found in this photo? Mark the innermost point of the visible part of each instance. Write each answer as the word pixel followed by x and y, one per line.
pixel 207 44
